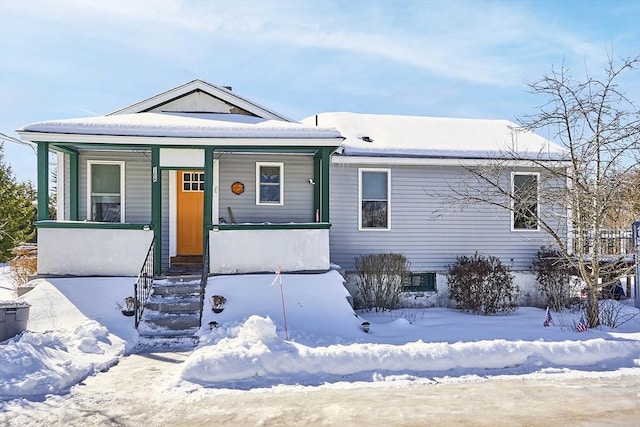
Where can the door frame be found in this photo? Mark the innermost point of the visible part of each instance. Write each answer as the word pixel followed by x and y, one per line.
pixel 189 211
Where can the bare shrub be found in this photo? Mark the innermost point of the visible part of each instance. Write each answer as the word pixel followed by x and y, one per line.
pixel 380 279
pixel 614 314
pixel 482 285
pixel 24 264
pixel 410 315
pixel 554 278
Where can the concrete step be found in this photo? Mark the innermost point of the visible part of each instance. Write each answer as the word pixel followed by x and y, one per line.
pixel 173 280
pixel 165 343
pixel 154 320
pixel 181 269
pixel 172 313
pixel 174 305
pixel 179 289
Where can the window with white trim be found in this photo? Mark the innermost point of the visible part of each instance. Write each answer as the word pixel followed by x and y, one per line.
pixel 374 196
pixel 269 183
pixel 524 200
pixel 105 188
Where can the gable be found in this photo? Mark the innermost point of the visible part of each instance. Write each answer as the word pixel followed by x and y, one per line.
pixel 199 102
pixel 198 96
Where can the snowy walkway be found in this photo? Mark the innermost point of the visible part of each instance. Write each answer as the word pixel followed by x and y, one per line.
pixel 141 390
pixel 414 367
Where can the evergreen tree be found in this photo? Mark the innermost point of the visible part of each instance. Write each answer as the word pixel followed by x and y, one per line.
pixel 17 211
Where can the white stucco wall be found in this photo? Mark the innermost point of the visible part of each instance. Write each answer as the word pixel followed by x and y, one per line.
pixel 89 252
pixel 252 251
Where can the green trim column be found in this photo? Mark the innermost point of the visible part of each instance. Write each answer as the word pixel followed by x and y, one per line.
pixel 324 196
pixel 43 181
pixel 208 191
pixel 156 208
pixel 317 165
pixel 73 186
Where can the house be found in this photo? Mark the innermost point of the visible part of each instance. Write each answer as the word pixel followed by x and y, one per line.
pixel 200 170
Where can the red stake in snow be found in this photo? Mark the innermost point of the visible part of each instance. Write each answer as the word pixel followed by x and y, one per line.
pixel 284 311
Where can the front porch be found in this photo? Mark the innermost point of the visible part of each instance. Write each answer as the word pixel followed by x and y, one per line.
pixel 244 236
pixel 79 248
pixel 184 169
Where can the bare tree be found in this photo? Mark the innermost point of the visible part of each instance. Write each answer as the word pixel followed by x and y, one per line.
pixel 574 195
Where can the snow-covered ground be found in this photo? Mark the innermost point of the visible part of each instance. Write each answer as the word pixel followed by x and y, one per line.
pixel 76 330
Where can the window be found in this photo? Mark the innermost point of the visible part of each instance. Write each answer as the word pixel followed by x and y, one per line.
pixel 106 191
pixel 415 282
pixel 524 201
pixel 374 195
pixel 192 182
pixel 269 183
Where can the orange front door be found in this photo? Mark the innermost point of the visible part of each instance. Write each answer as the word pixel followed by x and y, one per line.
pixel 190 212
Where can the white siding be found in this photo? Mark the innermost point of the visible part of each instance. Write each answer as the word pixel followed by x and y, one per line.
pixel 424 226
pixel 298 192
pixel 137 183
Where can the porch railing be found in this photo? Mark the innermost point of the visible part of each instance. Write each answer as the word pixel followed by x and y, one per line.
pixel 144 283
pixel 611 241
pixel 205 275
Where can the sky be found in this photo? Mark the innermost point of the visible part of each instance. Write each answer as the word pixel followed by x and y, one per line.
pixel 68 59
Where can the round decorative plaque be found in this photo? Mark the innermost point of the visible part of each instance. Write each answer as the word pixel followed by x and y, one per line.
pixel 237 188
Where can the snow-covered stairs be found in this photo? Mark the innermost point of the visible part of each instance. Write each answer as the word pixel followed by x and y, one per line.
pixel 171 316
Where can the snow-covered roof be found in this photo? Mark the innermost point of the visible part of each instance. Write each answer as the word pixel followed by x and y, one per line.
pixel 379 135
pixel 178 125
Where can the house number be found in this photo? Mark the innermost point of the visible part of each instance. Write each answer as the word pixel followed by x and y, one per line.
pixel 155 174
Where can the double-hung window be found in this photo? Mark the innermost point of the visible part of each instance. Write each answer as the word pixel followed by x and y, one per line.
pixel 105 187
pixel 269 183
pixel 524 200
pixel 374 196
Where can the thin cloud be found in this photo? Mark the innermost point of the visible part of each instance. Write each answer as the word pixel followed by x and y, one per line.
pixel 479 42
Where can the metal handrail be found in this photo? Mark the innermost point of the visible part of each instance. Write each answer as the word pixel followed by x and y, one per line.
pixel 205 275
pixel 144 282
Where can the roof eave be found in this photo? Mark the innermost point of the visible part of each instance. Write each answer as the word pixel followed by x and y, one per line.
pixel 68 138
pixel 444 161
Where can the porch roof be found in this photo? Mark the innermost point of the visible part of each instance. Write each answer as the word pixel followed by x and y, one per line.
pixel 180 128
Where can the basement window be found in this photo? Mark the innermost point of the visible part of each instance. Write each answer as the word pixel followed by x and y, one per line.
pixel 420 282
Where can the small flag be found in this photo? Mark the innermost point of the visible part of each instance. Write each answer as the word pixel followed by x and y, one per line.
pixel 278 274
pixel 547 318
pixel 582 325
